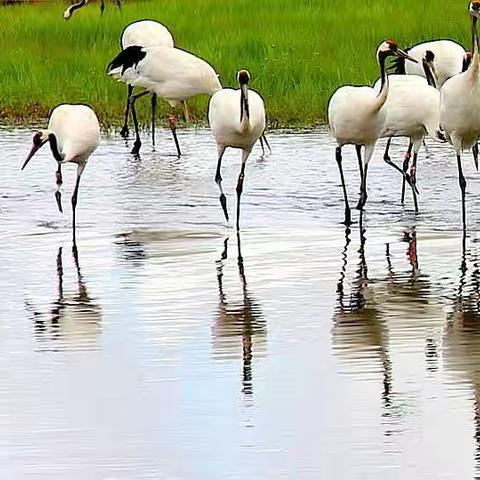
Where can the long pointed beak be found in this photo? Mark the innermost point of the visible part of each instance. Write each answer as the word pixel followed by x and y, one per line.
pixel 402 53
pixel 33 151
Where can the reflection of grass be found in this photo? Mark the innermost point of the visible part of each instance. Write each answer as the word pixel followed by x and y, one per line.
pixel 297 51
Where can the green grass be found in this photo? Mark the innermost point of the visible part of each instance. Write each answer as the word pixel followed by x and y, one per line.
pixel 298 51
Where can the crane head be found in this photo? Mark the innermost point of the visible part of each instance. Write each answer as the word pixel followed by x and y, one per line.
pixel 39 140
pixel 389 48
pixel 243 77
pixel 474 9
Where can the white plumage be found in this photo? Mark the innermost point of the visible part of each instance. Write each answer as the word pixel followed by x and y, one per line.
pixel 449 59
pixel 237 119
pixel 356 116
pixel 146 33
pixel 171 73
pixel 413 110
pixel 74 134
pixel 460 106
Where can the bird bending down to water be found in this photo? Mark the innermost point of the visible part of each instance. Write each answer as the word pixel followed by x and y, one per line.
pixel 75 6
pixel 144 33
pixel 237 119
pixel 460 106
pixel 74 134
pixel 173 74
pixel 356 116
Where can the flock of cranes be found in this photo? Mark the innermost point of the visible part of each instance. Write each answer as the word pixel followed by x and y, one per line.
pixel 436 91
pixel 149 60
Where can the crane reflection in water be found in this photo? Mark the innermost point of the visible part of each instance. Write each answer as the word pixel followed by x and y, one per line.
pixel 73 320
pixel 238 321
pixel 461 337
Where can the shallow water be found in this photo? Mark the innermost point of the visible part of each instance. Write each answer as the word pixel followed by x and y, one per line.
pixel 153 352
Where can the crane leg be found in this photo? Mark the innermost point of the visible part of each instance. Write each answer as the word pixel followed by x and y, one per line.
pixel 263 139
pixel 185 111
pixel 74 208
pixel 463 185
pixel 218 181
pixel 475 155
pixel 358 149
pixel 406 176
pixel 348 215
pixel 172 123
pixel 154 109
pixel 406 162
pixel 241 177
pixel 59 181
pixel 138 143
pixel 124 130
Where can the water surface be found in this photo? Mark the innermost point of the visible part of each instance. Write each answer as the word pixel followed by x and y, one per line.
pixel 160 349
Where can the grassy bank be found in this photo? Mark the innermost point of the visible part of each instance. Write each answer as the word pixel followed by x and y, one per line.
pixel 298 51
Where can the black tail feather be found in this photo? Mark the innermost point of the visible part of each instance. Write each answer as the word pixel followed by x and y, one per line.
pixel 130 57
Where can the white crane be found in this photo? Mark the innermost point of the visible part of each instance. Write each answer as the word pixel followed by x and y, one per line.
pixel 356 116
pixel 237 120
pixel 173 74
pixel 447 59
pixel 413 109
pixel 144 33
pixel 74 134
pixel 450 59
pixel 460 106
pixel 81 3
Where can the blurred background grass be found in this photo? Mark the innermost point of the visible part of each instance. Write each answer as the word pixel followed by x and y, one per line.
pixel 298 51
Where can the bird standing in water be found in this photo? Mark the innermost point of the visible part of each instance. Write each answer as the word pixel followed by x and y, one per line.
pixel 73 133
pixel 237 119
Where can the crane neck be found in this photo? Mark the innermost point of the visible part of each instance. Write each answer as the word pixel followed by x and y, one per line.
pixel 474 66
pixel 76 6
pixel 54 147
pixel 428 74
pixel 383 93
pixel 244 107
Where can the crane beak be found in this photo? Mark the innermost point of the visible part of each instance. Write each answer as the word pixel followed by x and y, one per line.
pixel 401 53
pixel 33 151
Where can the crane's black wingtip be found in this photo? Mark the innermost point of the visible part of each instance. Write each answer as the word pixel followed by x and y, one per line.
pixel 128 58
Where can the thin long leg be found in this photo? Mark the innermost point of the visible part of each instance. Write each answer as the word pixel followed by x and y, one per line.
pixel 241 177
pixel 363 195
pixel 348 215
pixel 172 122
pixel 74 207
pixel 406 176
pixel 263 148
pixel 138 143
pixel 406 162
pixel 463 185
pixel 102 6
pixel 475 155
pixel 218 181
pixel 358 149
pixel 154 109
pixel 264 138
pixel 124 130
pixel 185 111
pixel 58 194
